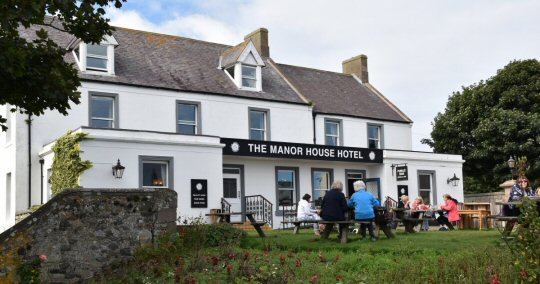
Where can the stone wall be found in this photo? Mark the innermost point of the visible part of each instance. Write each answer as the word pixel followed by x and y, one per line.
pixel 82 232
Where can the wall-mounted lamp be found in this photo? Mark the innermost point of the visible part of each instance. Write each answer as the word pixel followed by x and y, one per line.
pixel 453 180
pixel 118 170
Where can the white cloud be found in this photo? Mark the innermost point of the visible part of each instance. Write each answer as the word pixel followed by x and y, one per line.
pixel 419 51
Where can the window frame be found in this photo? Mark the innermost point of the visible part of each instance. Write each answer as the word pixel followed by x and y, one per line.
pixel 330 172
pixel 198 126
pixel 339 136
pixel 106 57
pixel 243 76
pixel 295 190
pixel 168 161
pixel 266 136
pixel 380 144
pixel 115 119
pixel 433 189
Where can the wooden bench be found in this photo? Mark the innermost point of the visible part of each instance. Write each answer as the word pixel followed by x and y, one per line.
pixel 409 222
pixel 298 223
pixel 226 218
pixel 223 217
pixel 255 224
pixel 507 228
pixel 329 225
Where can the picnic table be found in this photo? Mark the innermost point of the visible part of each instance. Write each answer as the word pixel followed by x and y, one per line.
pixel 468 214
pixel 225 217
pixel 511 220
pixel 379 220
pixel 405 216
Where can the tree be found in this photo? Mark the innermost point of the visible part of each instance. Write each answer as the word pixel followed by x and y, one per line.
pixel 34 76
pixel 491 120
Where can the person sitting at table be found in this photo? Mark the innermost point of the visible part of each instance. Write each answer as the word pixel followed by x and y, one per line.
pixel 305 213
pixel 518 191
pixel 418 204
pixel 404 202
pixel 451 208
pixel 363 203
pixel 334 207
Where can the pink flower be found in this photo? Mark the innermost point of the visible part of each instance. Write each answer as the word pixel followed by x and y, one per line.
pixel 314 279
pixel 523 274
pixel 496 280
pixel 298 263
pixel 43 257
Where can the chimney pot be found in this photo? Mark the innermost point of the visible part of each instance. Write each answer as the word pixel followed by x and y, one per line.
pixel 259 38
pixel 357 66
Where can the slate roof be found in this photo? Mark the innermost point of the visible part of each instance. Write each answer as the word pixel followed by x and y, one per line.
pixel 341 94
pixel 170 62
pixel 230 56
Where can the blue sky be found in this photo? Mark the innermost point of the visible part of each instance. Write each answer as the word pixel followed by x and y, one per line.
pixel 419 51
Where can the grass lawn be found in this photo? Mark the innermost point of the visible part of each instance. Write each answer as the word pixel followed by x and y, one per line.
pixel 424 257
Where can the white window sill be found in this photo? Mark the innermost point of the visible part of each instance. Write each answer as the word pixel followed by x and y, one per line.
pixel 101 73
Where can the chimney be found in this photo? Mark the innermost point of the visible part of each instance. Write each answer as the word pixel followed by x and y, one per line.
pixel 259 38
pixel 357 66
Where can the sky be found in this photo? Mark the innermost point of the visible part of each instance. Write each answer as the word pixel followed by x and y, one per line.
pixel 419 52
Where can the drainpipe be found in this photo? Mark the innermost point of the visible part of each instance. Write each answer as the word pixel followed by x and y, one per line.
pixel 41 162
pixel 314 129
pixel 29 123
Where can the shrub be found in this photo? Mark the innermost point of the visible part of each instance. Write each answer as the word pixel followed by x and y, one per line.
pixel 526 247
pixel 224 234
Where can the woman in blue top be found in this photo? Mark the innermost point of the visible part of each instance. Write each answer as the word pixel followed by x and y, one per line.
pixel 363 203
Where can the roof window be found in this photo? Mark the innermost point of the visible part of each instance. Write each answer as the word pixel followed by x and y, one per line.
pixel 95 58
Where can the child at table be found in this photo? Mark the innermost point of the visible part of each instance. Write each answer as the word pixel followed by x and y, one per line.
pixel 418 204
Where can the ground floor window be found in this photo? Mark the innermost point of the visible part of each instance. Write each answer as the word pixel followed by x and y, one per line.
pixel 322 180
pixel 287 185
pixel 425 187
pixel 156 172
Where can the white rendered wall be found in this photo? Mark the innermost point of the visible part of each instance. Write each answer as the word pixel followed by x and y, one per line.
pixel 194 157
pixel 444 165
pixel 395 135
pixel 260 175
pixel 155 110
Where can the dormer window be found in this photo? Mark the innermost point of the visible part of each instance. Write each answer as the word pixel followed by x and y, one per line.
pixel 249 77
pixel 95 58
pixel 243 65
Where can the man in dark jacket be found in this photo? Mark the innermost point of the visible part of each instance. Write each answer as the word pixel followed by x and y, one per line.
pixel 334 207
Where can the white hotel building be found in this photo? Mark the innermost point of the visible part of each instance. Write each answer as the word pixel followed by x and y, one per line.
pixel 213 121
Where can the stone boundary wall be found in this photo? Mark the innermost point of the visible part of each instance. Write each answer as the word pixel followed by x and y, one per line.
pixel 85 231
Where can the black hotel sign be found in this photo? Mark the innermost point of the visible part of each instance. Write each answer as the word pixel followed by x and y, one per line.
pixel 402 173
pixel 270 149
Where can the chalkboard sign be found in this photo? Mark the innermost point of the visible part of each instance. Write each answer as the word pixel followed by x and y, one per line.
pixel 199 193
pixel 402 173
